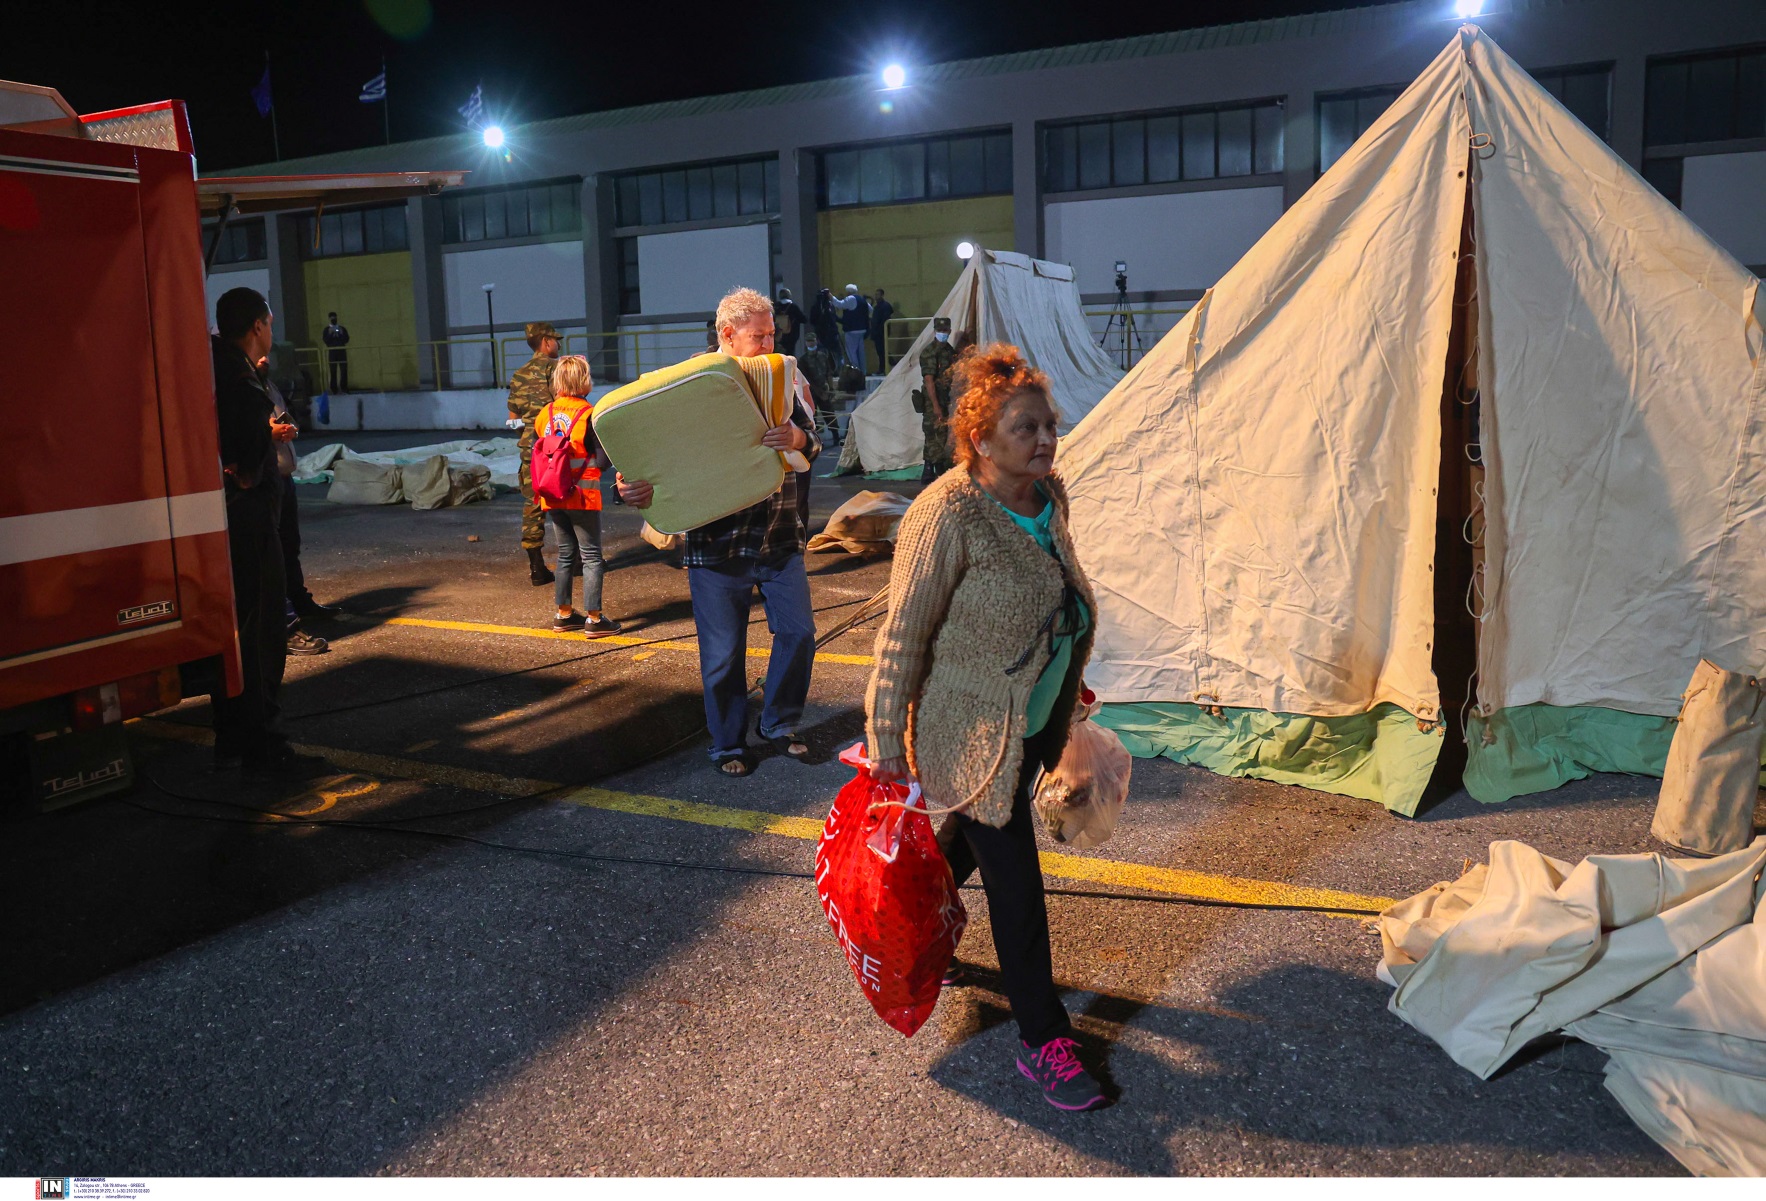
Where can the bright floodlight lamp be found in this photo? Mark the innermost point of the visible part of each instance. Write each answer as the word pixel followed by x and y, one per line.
pixel 493 137
pixel 965 250
pixel 1466 9
pixel 895 76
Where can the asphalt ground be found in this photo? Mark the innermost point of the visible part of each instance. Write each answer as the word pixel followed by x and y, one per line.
pixel 501 968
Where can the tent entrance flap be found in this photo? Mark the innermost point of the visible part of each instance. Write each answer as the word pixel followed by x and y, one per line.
pixel 1458 514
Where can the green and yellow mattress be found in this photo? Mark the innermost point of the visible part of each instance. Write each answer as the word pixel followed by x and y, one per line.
pixel 693 431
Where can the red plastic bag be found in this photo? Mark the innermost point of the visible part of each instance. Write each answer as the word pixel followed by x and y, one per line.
pixel 888 893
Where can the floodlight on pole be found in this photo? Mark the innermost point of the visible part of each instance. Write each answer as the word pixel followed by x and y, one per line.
pixel 965 250
pixel 493 136
pixel 895 76
pixel 1466 9
pixel 490 318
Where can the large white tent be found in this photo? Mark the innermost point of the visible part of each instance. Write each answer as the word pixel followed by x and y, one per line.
pixel 1001 297
pixel 1257 501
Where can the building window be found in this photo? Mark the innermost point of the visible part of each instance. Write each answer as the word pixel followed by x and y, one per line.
pixel 1345 116
pixel 629 299
pixel 922 169
pixel 354 231
pixel 524 211
pixel 704 192
pixel 241 242
pixel 1585 91
pixel 1717 97
pixel 1218 142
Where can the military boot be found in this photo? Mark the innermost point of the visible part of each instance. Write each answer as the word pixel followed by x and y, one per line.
pixel 538 572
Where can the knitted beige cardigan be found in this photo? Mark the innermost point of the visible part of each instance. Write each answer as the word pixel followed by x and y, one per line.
pixel 968 594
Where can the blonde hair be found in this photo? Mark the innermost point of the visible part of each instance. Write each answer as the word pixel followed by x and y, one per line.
pixel 740 306
pixel 571 376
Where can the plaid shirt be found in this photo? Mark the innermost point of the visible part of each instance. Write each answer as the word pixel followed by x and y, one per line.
pixel 766 532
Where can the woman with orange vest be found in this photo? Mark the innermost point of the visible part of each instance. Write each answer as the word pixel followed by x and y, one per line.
pixel 576 520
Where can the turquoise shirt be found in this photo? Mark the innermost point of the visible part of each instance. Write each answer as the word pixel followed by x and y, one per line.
pixel 1048 684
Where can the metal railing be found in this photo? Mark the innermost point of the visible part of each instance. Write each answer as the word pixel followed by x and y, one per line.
pixel 615 356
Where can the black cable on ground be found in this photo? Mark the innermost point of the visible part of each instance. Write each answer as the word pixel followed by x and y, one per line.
pixel 385 826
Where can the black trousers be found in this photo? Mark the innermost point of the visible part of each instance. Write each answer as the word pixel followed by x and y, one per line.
pixel 340 371
pixel 288 531
pixel 1017 909
pixel 247 724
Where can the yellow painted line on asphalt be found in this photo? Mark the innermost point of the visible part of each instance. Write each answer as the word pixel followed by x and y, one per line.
pixel 1082 868
pixel 477 627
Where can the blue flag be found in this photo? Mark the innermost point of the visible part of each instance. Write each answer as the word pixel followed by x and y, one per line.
pixel 473 109
pixel 261 94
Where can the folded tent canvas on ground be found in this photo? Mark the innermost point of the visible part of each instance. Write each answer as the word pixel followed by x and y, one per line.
pixel 1000 297
pixel 1474 430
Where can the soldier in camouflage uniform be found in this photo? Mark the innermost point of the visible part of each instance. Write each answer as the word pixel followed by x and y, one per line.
pixel 932 399
pixel 817 365
pixel 530 391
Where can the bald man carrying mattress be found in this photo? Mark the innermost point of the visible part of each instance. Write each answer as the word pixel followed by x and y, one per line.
pixel 759 547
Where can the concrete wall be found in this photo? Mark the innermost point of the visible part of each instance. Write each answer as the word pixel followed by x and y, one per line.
pixel 1176 242
pixel 1726 195
pixel 689 272
pixel 539 282
pixel 909 250
pixel 225 279
pixel 455 409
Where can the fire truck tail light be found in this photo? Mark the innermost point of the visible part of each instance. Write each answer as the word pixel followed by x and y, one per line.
pixel 108 704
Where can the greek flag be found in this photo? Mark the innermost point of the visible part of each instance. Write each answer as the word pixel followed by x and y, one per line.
pixel 375 89
pixel 473 109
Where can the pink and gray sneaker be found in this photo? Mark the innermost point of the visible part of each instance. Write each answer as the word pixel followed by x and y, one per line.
pixel 1057 1071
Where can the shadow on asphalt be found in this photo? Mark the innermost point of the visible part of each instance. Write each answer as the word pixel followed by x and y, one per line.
pixel 1298 1053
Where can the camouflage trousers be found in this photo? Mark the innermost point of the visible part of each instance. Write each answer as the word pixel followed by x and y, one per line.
pixel 937 456
pixel 533 518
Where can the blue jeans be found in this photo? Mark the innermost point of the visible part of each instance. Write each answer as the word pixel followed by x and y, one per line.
pixel 722 598
pixel 579 553
pixel 855 348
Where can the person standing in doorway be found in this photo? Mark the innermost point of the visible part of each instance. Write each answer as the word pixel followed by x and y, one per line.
pixel 855 324
pixel 788 321
pixel 933 400
pixel 881 312
pixel 758 547
pixel 336 337
pixel 530 390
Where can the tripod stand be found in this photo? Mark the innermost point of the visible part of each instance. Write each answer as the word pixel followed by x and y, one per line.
pixel 1121 320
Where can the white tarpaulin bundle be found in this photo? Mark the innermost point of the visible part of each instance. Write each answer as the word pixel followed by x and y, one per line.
pixel 1256 503
pixel 499 456
pixel 999 297
pixel 1659 962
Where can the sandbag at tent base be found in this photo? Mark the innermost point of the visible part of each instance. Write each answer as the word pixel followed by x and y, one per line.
pixel 1380 756
pixel 1535 748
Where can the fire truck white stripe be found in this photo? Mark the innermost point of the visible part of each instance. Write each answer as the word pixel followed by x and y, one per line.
pixel 35 536
pixel 56 652
pixel 49 166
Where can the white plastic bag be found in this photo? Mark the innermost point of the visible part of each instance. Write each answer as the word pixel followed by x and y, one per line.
pixel 1082 798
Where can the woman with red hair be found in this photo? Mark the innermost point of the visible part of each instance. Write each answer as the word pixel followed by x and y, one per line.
pixel 978 670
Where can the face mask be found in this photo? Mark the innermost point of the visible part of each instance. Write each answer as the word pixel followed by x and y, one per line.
pixel 810 346
pixel 942 336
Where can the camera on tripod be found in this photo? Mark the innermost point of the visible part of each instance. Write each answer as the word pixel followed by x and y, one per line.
pixel 1121 323
pixel 1121 279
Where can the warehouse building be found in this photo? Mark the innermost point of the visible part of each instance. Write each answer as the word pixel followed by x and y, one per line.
pixel 1171 153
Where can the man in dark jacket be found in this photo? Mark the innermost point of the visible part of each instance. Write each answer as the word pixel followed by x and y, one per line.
pixel 881 312
pixel 247 734
pixel 788 320
pixel 823 319
pixel 336 337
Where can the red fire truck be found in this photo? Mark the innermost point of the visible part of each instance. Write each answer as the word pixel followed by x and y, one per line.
pixel 115 588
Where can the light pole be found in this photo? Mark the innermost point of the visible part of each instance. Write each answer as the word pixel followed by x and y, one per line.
pixel 490 317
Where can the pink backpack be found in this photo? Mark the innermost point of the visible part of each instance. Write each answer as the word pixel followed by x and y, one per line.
pixel 554 473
